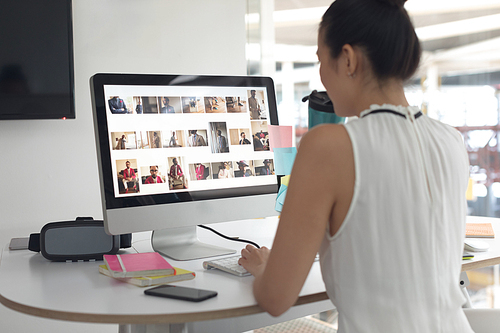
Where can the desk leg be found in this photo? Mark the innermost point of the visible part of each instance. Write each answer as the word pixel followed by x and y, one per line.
pixel 153 328
pixel 464 282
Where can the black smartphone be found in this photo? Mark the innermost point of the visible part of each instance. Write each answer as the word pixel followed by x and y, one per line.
pixel 184 293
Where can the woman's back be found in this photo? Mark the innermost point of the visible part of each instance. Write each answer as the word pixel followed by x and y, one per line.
pixel 394 264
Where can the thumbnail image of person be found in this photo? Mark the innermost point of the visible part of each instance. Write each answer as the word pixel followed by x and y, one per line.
pixel 262 137
pixel 124 140
pixel 200 171
pixel 254 105
pixel 221 143
pixel 211 104
pixel 173 140
pixel 129 176
pixel 266 170
pixel 154 178
pixel 149 104
pixel 235 104
pixel 121 142
pixel 218 139
pixel 263 112
pixel 260 134
pixel 243 169
pixel 257 144
pixel 156 140
pixel 196 140
pixel 117 105
pixel 244 140
pixel 192 105
pixel 166 108
pixel 225 171
pixel 222 172
pixel 177 138
pixel 229 168
pixel 138 108
pixel 176 175
pixel 215 104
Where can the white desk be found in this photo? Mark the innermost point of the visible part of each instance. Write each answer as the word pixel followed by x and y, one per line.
pixel 490 257
pixel 481 259
pixel 77 292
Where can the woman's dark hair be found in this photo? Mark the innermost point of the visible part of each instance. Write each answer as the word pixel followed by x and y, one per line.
pixel 382 28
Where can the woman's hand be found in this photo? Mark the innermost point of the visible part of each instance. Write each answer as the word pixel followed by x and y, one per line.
pixel 253 259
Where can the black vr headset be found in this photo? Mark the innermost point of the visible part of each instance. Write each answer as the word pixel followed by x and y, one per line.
pixel 82 239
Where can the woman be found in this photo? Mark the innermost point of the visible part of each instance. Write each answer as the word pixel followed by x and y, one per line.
pixel 388 216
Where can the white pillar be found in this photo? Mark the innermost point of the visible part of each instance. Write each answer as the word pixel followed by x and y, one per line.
pixel 267 38
pixel 286 110
pixel 431 89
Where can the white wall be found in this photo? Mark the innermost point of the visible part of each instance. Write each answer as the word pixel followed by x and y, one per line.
pixel 48 167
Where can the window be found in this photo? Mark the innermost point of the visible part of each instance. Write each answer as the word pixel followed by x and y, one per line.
pixel 458 81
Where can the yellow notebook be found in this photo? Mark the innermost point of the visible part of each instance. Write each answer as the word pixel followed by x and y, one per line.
pixel 479 230
pixel 146 281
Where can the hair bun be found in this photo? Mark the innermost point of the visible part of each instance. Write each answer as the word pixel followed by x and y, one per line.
pixel 394 3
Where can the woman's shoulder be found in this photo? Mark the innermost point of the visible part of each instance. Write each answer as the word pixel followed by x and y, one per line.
pixel 326 141
pixel 326 134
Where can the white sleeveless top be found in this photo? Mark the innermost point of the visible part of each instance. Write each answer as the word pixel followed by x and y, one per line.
pixel 394 265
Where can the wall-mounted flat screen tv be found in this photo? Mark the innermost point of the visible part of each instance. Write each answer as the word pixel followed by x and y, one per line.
pixel 36 60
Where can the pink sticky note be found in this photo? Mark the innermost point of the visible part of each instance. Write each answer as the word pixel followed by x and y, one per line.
pixel 280 136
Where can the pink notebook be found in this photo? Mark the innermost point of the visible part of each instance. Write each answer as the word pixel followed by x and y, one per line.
pixel 137 264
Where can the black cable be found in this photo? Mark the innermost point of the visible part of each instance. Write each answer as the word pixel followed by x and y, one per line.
pixel 229 238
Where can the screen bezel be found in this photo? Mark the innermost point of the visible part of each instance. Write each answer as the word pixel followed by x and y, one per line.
pixel 99 81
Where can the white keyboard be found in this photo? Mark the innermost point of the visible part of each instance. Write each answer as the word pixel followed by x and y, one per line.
pixel 228 264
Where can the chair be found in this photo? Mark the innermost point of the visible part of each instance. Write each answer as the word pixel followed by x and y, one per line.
pixel 173 183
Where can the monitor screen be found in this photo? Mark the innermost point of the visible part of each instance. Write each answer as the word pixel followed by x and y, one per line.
pixel 36 61
pixel 181 150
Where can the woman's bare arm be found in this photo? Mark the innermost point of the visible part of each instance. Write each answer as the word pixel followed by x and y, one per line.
pixel 318 177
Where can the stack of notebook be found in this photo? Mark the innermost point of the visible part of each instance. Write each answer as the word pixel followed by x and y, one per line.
pixel 143 269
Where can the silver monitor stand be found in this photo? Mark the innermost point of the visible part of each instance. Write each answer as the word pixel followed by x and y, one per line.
pixel 183 244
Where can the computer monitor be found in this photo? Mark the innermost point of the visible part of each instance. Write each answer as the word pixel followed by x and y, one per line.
pixel 177 151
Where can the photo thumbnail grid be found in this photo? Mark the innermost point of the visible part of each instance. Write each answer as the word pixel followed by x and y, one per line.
pixel 253 102
pixel 174 175
pixel 182 140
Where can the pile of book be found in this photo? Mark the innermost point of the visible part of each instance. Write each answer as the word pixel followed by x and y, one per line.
pixel 143 269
